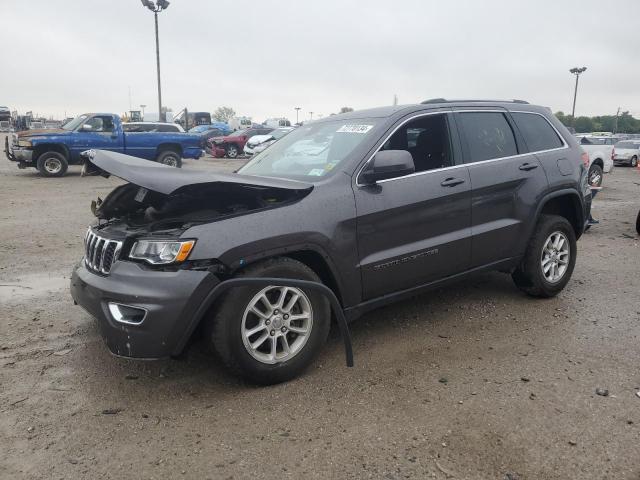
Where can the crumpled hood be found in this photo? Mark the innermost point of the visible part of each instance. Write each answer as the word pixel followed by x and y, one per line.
pixel 42 131
pixel 169 180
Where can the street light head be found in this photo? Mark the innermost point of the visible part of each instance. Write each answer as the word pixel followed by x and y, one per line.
pixel 162 4
pixel 149 4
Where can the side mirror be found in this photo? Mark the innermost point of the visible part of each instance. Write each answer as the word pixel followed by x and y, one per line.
pixel 388 164
pixel 86 127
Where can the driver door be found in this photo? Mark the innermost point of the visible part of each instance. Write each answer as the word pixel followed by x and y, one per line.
pixel 416 229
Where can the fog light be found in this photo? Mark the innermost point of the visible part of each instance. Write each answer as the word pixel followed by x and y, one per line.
pixel 127 314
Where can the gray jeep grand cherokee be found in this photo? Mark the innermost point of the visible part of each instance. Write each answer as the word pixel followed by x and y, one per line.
pixel 378 205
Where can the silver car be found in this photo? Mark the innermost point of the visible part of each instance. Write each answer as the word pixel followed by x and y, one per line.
pixel 259 143
pixel 626 152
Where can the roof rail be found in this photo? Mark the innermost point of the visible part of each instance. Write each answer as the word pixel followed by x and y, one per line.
pixel 444 100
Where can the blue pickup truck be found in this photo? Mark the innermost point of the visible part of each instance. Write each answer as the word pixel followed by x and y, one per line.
pixel 51 151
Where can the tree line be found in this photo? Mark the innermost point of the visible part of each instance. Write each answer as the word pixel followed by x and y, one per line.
pixel 625 123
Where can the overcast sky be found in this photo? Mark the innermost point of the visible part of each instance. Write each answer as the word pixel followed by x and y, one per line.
pixel 263 58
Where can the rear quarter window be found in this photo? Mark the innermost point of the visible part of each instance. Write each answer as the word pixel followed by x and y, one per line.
pixel 537 132
pixel 488 135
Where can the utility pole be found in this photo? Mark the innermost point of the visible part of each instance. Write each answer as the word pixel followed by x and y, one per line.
pixel 297 109
pixel 157 7
pixel 615 125
pixel 142 107
pixel 395 99
pixel 576 71
pixel 311 115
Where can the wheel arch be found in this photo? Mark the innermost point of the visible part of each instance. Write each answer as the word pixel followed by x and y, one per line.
pixel 41 148
pixel 565 203
pixel 174 147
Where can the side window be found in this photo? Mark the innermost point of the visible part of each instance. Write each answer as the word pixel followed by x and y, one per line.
pixel 488 135
pixel 537 132
pixel 101 124
pixel 167 128
pixel 427 139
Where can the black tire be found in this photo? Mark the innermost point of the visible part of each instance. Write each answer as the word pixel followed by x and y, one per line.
pixel 638 223
pixel 529 276
pixel 170 158
pixel 223 330
pixel 595 176
pixel 52 164
pixel 634 161
pixel 232 151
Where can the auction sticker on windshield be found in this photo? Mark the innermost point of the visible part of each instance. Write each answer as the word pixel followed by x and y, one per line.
pixel 354 128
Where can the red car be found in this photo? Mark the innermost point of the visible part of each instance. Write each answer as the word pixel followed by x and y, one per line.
pixel 232 145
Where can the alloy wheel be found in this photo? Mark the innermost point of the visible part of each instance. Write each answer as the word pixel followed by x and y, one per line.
pixel 53 165
pixel 276 324
pixel 555 256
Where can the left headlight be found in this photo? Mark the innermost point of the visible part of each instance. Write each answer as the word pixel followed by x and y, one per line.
pixel 161 252
pixel 24 143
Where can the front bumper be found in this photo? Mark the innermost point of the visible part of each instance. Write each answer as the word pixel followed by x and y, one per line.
pixel 622 161
pixel 218 151
pixel 17 154
pixel 170 299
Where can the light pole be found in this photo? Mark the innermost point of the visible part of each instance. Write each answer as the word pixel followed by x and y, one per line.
pixel 156 8
pixel 311 115
pixel 142 107
pixel 297 109
pixel 576 71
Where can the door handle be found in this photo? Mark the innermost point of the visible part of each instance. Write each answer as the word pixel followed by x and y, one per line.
pixel 527 166
pixel 452 182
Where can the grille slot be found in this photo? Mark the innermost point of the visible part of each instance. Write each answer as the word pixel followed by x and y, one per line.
pixel 100 252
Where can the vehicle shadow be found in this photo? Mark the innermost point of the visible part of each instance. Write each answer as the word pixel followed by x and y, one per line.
pixel 427 318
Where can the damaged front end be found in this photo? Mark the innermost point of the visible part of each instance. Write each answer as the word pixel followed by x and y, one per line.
pixel 158 197
pixel 136 277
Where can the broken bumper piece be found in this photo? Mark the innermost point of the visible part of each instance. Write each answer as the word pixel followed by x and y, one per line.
pixel 142 313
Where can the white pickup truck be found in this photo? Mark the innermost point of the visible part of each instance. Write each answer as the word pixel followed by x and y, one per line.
pixel 600 150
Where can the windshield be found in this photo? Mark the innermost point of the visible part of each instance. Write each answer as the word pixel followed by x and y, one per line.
pixel 76 122
pixel 631 145
pixel 310 151
pixel 238 133
pixel 279 133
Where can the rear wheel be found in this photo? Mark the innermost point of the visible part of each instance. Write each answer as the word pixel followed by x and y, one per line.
pixel 634 161
pixel 595 176
pixel 232 151
pixel 270 334
pixel 52 164
pixel 170 158
pixel 550 258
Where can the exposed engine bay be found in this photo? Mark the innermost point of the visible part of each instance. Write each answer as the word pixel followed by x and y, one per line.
pixel 161 198
pixel 193 204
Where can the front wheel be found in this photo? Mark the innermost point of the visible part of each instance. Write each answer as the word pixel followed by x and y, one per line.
pixel 595 176
pixel 550 258
pixel 52 164
pixel 634 161
pixel 170 158
pixel 232 151
pixel 270 335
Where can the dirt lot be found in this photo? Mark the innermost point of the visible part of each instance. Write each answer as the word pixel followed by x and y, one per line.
pixel 476 381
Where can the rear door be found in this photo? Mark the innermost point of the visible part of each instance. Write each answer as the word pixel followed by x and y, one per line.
pixel 506 181
pixel 416 229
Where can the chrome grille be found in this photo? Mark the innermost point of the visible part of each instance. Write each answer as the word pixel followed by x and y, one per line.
pixel 100 253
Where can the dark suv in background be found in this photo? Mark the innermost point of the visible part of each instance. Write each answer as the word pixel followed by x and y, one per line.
pixel 378 205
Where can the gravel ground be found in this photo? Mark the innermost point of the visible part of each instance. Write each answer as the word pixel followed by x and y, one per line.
pixel 474 381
